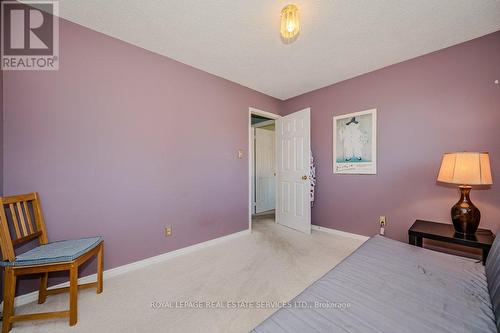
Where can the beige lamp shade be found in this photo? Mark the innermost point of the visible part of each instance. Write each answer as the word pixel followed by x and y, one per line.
pixel 465 168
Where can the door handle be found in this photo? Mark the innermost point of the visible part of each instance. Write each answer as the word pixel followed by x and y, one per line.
pixel 304 177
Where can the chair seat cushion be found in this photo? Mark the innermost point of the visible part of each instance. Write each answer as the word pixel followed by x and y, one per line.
pixel 55 252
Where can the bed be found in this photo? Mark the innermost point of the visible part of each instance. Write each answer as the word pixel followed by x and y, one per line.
pixel 390 286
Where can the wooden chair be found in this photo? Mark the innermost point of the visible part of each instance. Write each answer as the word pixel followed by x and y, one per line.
pixel 21 221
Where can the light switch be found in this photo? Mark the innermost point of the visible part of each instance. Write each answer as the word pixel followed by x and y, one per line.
pixel 240 153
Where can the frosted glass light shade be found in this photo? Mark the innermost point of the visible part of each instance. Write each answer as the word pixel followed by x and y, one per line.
pixel 465 168
pixel 290 23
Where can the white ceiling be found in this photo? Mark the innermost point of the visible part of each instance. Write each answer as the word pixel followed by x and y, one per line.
pixel 239 39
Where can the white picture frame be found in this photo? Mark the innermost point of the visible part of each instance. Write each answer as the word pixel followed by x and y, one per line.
pixel 355 143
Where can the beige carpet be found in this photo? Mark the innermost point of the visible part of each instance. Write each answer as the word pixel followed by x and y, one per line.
pixel 274 263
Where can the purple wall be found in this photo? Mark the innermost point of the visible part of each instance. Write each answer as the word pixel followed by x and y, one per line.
pixel 1 151
pixel 440 102
pixel 121 142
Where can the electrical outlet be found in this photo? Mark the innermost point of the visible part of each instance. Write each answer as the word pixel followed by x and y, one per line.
pixel 382 221
pixel 168 231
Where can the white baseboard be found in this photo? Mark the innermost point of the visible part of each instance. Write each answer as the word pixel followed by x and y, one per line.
pixel 339 232
pixel 33 296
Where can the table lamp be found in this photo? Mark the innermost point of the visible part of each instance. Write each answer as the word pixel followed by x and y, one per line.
pixel 465 169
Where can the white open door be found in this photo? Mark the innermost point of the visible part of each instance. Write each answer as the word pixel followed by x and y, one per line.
pixel 265 169
pixel 293 188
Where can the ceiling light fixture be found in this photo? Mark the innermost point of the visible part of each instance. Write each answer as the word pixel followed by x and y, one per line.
pixel 290 24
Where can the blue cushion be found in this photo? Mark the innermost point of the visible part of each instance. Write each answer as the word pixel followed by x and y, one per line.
pixel 492 269
pixel 55 252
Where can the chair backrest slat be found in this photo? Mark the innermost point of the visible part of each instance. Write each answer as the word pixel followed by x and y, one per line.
pixel 26 238
pixel 28 217
pixel 14 220
pixel 21 220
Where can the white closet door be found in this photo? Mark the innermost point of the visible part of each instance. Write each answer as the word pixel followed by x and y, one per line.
pixel 265 168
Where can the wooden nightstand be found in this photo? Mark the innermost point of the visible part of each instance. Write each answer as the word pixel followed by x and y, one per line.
pixel 482 239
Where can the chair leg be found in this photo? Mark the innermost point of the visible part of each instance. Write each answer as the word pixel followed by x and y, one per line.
pixel 100 264
pixel 42 291
pixel 8 298
pixel 73 295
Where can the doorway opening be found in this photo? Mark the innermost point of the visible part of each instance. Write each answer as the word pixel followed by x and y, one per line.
pixel 262 157
pixel 279 179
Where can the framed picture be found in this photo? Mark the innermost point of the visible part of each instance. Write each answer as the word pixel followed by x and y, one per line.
pixel 355 143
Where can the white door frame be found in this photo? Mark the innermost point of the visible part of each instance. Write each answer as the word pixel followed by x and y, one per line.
pixel 266 114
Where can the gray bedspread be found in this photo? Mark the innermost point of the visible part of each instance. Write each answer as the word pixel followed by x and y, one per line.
pixel 390 286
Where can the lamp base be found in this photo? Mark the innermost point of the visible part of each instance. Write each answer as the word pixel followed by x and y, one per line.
pixel 464 214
